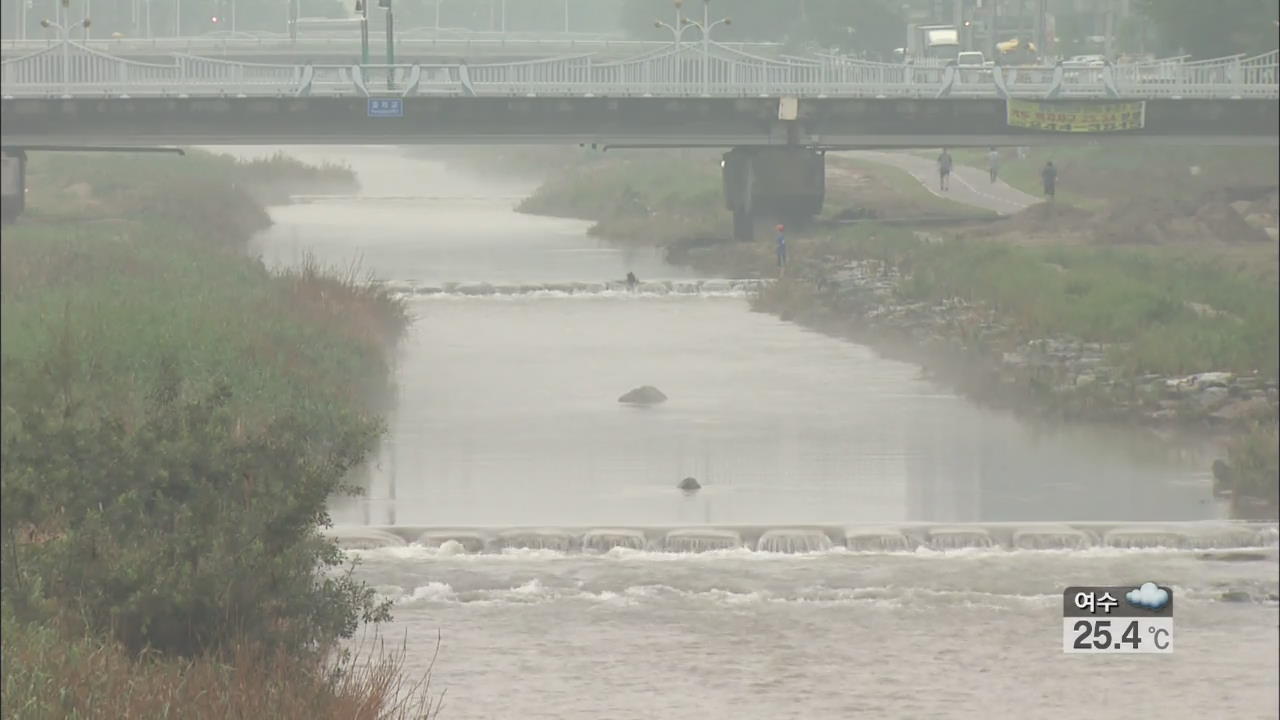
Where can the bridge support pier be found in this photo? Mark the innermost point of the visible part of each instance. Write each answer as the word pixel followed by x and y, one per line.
pixel 772 184
pixel 13 183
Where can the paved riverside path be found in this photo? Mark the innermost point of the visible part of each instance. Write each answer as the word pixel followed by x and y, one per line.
pixel 969 185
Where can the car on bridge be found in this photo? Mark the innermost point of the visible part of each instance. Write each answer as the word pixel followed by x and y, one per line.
pixel 1086 61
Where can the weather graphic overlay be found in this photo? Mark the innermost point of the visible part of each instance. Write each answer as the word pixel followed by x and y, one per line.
pixel 1117 619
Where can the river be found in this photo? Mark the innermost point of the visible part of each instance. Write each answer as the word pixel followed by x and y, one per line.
pixel 507 415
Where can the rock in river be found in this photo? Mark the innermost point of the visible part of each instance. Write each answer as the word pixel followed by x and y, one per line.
pixel 646 395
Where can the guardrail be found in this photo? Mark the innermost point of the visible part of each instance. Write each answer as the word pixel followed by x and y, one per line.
pixel 70 68
pixel 493 42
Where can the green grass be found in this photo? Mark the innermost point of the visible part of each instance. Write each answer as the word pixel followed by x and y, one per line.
pixel 1136 297
pixel 135 302
pixel 1094 176
pixel 902 184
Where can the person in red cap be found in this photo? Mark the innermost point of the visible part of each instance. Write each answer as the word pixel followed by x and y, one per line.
pixel 782 248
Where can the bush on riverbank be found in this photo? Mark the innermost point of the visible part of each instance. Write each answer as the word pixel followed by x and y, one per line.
pixel 655 196
pixel 176 418
pixel 1254 462
pixel 215 195
pixel 49 673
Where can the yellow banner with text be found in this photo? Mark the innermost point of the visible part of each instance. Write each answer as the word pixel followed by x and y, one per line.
pixel 1076 115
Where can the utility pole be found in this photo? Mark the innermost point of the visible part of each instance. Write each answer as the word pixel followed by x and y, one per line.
pixel 391 43
pixel 1109 30
pixel 995 36
pixel 1042 30
pixel 362 7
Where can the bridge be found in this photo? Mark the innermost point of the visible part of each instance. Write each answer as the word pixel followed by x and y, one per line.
pixel 337 50
pixel 705 69
pixel 779 115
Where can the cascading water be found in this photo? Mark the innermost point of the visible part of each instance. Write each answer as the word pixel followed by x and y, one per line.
pixel 959 538
pixel 358 538
pixel 537 540
pixel 606 540
pixel 1051 538
pixel 1145 538
pixel 470 541
pixel 699 540
pixel 797 540
pixel 877 541
pixel 1217 538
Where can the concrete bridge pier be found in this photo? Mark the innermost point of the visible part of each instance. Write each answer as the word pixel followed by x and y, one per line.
pixel 13 181
pixel 784 184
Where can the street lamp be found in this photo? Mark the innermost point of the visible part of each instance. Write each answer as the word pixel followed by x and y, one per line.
pixel 66 48
pixel 675 33
pixel 706 26
pixel 677 30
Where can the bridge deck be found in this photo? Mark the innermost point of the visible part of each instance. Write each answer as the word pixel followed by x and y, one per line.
pixel 667 122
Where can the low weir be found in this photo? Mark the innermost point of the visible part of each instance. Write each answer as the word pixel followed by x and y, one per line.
pixel 900 537
pixel 611 288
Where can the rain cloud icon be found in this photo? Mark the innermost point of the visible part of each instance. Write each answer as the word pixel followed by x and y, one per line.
pixel 1149 596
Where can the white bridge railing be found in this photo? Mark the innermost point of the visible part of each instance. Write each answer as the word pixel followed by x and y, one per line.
pixel 72 69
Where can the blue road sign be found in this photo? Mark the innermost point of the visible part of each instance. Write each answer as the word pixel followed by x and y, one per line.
pixel 386 107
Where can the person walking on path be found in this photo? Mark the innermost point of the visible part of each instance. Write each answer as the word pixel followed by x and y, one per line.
pixel 782 249
pixel 944 169
pixel 1050 177
pixel 993 163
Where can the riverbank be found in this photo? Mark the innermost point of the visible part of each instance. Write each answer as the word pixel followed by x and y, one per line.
pixel 1052 312
pixel 177 417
